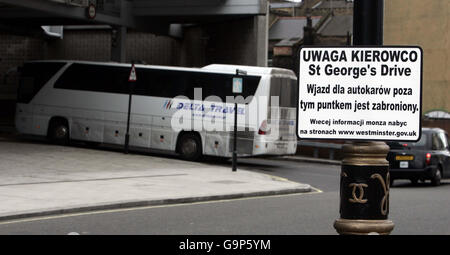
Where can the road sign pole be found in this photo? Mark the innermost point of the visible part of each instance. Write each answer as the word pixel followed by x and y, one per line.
pixel 127 135
pixel 131 81
pixel 234 162
pixel 237 89
pixel 365 180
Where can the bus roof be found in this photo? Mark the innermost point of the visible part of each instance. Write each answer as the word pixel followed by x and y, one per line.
pixel 221 68
pixel 250 69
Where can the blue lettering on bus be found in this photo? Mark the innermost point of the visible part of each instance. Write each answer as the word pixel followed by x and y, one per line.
pixel 203 108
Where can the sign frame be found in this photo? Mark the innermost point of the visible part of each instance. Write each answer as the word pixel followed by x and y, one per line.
pixel 361 47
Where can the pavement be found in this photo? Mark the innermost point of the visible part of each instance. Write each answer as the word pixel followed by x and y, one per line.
pixel 38 179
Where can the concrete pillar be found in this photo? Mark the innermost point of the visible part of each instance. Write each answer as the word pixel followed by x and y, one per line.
pixel 261 31
pixel 241 41
pixel 118 44
pixel 193 47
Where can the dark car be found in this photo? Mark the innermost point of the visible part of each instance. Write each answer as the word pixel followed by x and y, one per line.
pixel 426 159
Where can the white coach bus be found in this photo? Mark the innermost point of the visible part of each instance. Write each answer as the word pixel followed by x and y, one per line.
pixel 88 101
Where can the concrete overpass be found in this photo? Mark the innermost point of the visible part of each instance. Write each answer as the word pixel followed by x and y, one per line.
pixel 126 12
pixel 195 33
pixel 148 15
pixel 164 17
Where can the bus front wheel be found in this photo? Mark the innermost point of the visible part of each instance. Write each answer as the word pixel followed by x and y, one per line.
pixel 59 132
pixel 190 147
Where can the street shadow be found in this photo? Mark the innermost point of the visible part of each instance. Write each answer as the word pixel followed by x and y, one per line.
pixel 27 139
pixel 401 184
pixel 247 163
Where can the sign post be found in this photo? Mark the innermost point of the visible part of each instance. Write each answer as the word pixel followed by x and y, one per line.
pixel 237 90
pixel 360 158
pixel 131 80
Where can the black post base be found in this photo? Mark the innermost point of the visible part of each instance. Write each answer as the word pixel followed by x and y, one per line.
pixel 364 191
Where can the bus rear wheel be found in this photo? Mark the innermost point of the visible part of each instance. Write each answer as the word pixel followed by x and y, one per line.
pixel 190 147
pixel 59 132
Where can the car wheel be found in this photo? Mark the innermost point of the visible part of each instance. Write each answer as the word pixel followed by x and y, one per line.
pixel 391 182
pixel 190 147
pixel 414 181
pixel 436 179
pixel 59 132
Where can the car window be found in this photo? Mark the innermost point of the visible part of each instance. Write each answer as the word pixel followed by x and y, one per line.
pixel 395 145
pixel 437 143
pixel 448 141
pixel 444 140
pixel 421 144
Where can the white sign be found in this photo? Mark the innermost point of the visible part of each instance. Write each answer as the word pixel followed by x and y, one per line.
pixel 360 93
pixel 237 85
pixel 91 11
pixel 132 76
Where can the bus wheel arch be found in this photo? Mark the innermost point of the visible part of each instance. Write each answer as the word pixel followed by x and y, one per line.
pixel 58 130
pixel 189 145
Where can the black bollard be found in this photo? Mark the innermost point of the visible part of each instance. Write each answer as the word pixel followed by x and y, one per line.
pixel 364 187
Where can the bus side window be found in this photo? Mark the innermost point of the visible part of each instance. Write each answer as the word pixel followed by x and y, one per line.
pixel 250 85
pixel 212 85
pixel 119 80
pixel 95 78
pixel 160 83
pixel 177 84
pixel 144 82
pixel 26 89
pixel 33 77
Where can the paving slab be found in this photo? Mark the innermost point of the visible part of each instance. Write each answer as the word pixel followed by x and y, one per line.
pixel 39 179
